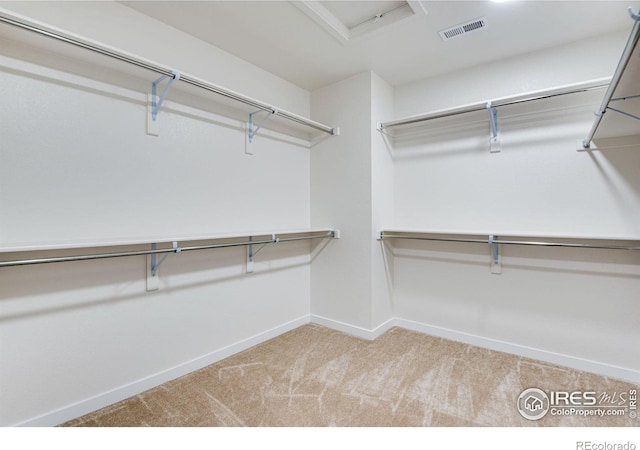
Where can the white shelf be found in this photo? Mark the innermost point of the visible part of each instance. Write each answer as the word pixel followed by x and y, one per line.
pixel 618 123
pixel 573 240
pixel 147 240
pixel 519 104
pixel 35 42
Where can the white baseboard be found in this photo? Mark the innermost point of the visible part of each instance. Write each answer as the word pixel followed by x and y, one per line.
pixel 621 373
pixel 89 405
pixel 100 401
pixel 353 329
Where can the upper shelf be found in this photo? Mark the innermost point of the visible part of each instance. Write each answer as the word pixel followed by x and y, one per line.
pixel 544 101
pixel 69 48
pixel 617 119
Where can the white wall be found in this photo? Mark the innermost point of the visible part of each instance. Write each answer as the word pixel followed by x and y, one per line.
pixel 148 38
pixel 572 63
pixel 76 164
pixel 352 188
pixel 72 334
pixel 382 203
pixel 581 304
pixel 538 184
pixel 341 195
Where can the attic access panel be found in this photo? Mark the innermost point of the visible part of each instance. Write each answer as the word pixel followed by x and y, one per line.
pixel 346 20
pixel 352 14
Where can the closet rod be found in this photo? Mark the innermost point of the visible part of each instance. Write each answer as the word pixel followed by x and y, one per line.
pixel 504 101
pixel 170 73
pixel 617 76
pixel 384 235
pixel 274 240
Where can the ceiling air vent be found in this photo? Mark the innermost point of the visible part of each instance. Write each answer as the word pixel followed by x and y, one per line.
pixel 463 28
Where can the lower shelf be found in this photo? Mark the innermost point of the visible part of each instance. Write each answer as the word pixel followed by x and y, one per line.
pixel 164 245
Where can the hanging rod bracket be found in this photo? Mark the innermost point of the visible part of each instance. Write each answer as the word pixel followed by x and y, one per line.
pixel 155 264
pixel 496 263
pixel 251 253
pixel 156 102
pixel 494 145
pixel 253 131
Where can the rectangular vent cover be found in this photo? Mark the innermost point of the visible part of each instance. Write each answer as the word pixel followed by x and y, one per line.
pixel 463 28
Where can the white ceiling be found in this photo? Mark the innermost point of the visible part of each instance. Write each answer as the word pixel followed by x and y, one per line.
pixel 283 39
pixel 354 13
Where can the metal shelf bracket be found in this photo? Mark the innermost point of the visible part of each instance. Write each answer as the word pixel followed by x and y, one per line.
pixel 251 253
pixel 619 111
pixel 495 145
pixel 155 264
pixel 496 264
pixel 156 102
pixel 253 131
pixel 153 281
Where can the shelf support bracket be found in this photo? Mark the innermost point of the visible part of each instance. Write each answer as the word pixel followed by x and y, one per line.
pixel 156 102
pixel 155 264
pixel 623 113
pixel 251 253
pixel 495 145
pixel 153 282
pixel 251 133
pixel 496 264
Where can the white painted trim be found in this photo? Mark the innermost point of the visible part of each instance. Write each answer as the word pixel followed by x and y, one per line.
pixel 383 328
pixel 354 330
pixel 573 362
pixel 418 7
pixel 89 405
pixel 323 17
pixel 108 398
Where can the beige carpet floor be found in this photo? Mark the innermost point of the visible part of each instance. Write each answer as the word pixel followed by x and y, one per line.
pixel 314 376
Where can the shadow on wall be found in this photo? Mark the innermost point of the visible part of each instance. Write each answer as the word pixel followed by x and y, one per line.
pixel 108 77
pixel 450 285
pixel 450 136
pixel 84 284
pixel 625 162
pixel 580 261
